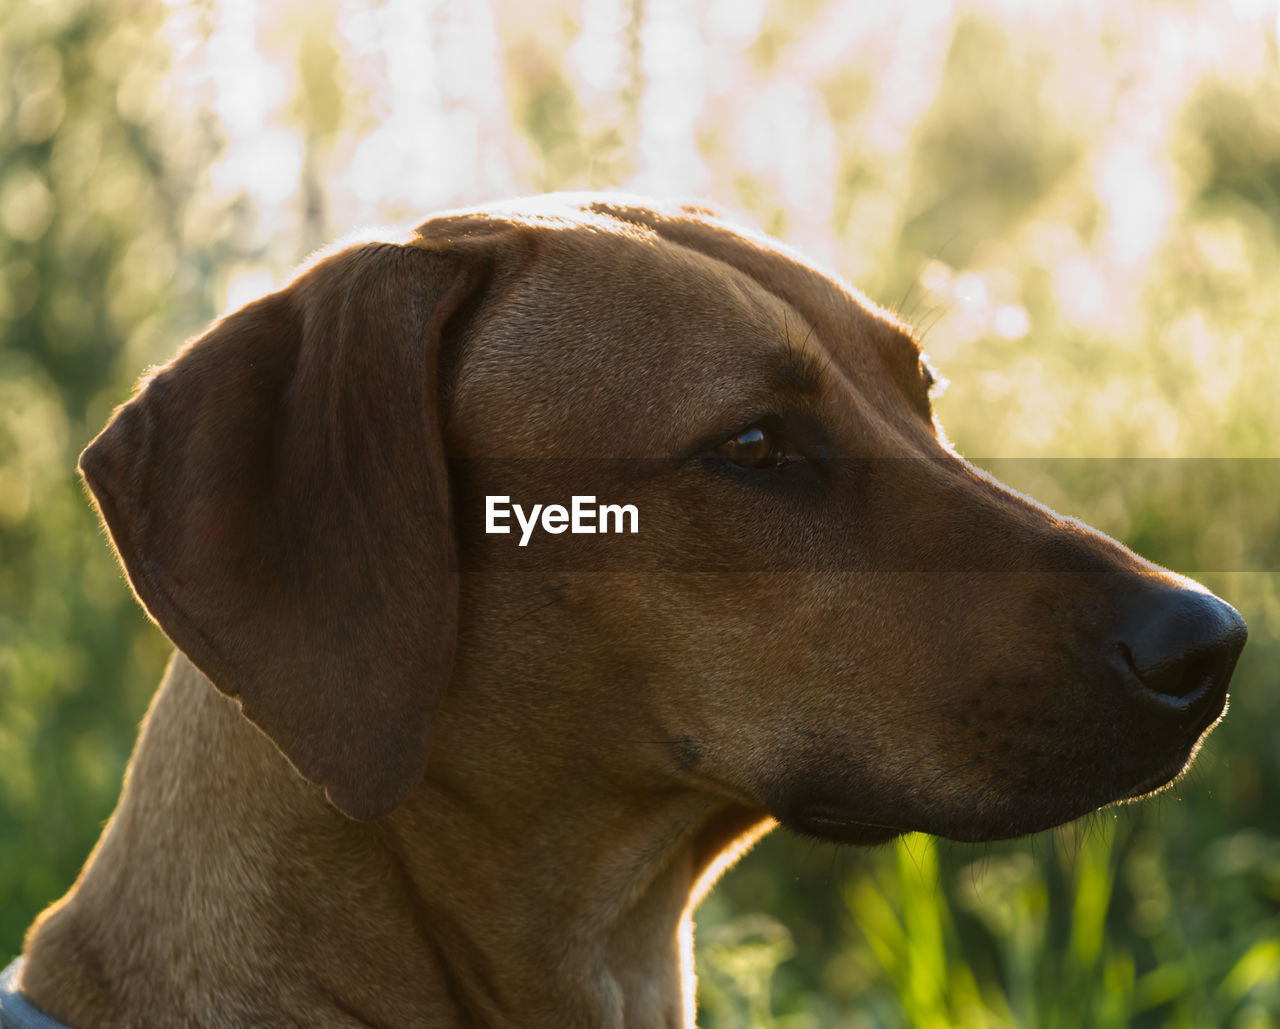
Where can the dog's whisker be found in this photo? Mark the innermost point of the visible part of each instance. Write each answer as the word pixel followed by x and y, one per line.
pixel 931 320
pixel 900 308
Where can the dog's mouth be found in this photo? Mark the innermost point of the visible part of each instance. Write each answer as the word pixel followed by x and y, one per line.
pixel 1173 769
pixel 826 823
pixel 1002 816
pixel 1167 775
pixel 1183 750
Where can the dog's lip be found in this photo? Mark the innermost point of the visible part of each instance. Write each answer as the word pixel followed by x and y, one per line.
pixel 840 823
pixel 831 823
pixel 1172 769
pixel 891 830
pixel 1156 781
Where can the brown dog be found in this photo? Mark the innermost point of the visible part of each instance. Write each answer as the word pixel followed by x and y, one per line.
pixel 446 779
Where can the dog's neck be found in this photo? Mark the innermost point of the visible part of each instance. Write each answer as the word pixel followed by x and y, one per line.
pixel 226 891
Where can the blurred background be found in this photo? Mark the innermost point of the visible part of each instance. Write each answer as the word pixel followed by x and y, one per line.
pixel 1076 203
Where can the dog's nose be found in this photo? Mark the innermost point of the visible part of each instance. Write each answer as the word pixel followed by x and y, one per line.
pixel 1182 645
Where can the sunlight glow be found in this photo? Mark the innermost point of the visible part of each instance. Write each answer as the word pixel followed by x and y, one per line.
pixel 708 879
pixel 673 99
pixel 843 127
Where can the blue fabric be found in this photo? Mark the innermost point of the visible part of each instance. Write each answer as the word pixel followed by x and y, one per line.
pixel 16 1012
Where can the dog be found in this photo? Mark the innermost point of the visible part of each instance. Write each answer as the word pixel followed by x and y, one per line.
pixel 403 770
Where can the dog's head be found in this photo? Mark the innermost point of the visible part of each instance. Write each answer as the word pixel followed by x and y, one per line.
pixel 825 613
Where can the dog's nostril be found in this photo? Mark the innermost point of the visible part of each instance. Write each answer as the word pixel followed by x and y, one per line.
pixel 1182 642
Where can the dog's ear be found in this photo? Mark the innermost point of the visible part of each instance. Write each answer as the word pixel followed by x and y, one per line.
pixel 278 495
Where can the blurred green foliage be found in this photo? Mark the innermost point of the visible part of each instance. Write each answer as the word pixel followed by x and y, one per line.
pixel 79 184
pixel 988 212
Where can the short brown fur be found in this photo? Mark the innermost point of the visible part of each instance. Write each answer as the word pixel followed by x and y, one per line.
pixel 443 781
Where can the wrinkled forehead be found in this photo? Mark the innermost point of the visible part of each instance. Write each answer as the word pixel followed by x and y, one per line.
pixel 616 341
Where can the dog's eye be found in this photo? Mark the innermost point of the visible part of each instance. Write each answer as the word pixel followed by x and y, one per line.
pixel 757 447
pixel 752 447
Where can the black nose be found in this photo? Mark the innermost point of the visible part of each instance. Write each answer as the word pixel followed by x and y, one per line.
pixel 1182 645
